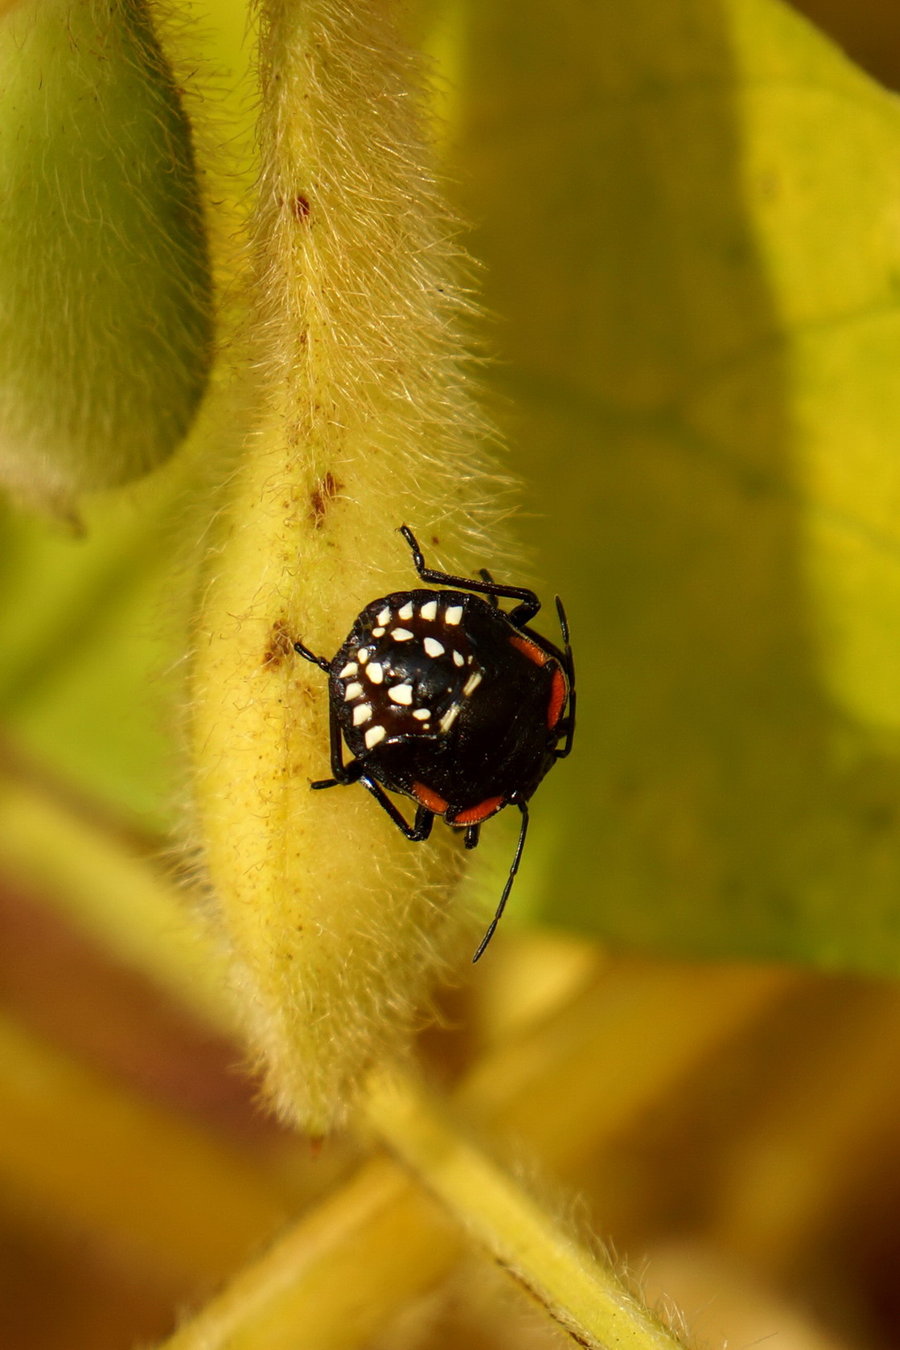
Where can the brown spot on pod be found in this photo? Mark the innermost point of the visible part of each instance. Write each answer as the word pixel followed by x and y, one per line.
pixel 321 496
pixel 279 646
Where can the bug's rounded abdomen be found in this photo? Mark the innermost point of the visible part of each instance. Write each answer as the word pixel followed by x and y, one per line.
pixel 438 690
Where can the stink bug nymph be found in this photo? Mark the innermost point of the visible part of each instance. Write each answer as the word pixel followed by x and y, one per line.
pixel 444 697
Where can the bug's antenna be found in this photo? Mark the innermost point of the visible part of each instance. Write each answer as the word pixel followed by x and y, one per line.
pixel 492 927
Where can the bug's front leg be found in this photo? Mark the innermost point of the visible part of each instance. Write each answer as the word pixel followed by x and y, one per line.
pixel 342 773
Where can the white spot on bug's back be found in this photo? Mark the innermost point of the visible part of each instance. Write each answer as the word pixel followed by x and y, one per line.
pixel 349 669
pixel 385 616
pixel 378 632
pixel 433 647
pixel 428 610
pixel 422 714
pixel 363 655
pixel 471 684
pixel 406 612
pixel 401 693
pixel 361 713
pixel 458 659
pixel 453 614
pixel 449 717
pixel 374 735
pixel 352 691
pixel 401 634
pixel 375 672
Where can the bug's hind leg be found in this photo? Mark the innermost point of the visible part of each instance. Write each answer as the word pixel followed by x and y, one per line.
pixel 421 826
pixel 354 772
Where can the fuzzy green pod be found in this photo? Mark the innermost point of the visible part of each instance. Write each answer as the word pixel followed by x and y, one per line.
pixel 352 414
pixel 105 293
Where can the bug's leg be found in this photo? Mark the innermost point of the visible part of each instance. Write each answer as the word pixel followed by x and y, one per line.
pixel 568 723
pixel 514 867
pixel 342 773
pixel 355 772
pixel 524 611
pixel 421 826
pixel 472 833
pixel 311 656
pixel 486 576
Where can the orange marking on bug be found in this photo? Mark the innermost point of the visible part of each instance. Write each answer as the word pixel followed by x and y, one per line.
pixel 557 698
pixel 476 814
pixel 530 649
pixel 425 797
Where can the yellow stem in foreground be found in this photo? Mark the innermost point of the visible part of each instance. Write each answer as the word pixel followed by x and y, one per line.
pixel 584 1296
pixel 335 1278
pixel 383 1239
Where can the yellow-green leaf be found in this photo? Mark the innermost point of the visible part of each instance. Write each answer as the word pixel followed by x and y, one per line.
pixel 92 642
pixel 692 230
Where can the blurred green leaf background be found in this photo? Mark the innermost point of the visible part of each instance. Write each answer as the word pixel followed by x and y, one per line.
pixel 690 220
pixel 689 216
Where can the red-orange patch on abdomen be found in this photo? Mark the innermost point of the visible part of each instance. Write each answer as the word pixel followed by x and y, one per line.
pixel 530 649
pixel 557 698
pixel 476 814
pixel 425 797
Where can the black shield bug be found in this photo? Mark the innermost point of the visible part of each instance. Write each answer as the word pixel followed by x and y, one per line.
pixel 444 697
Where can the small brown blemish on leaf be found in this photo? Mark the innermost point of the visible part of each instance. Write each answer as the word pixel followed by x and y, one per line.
pixel 300 206
pixel 279 646
pixel 322 494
